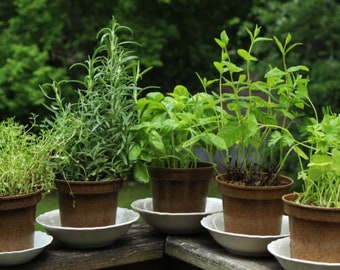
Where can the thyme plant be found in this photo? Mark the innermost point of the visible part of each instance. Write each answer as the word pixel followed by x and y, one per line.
pixel 94 132
pixel 25 160
pixel 257 114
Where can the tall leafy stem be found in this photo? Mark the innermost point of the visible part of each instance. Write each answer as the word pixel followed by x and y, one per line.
pixel 257 115
pixel 94 132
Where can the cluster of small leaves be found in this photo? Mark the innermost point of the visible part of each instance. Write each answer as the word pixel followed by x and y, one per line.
pixel 171 128
pixel 25 162
pixel 94 132
pixel 321 178
pixel 260 112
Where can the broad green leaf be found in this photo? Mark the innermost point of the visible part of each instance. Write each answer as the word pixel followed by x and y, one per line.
pixel 217 141
pixel 134 152
pixel 191 142
pixel 224 37
pixel 300 152
pixel 181 91
pixel 233 68
pixel 275 72
pixel 155 140
pixel 245 55
pixel 220 43
pixel 219 67
pixel 231 133
pixel 298 68
pixel 140 172
pixel 157 96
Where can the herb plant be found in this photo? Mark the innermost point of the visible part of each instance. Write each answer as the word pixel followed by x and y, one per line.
pixel 321 177
pixel 94 132
pixel 171 128
pixel 260 113
pixel 25 160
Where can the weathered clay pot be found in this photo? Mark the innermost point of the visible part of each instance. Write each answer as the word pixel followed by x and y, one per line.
pixel 180 190
pixel 17 217
pixel 253 210
pixel 314 231
pixel 88 203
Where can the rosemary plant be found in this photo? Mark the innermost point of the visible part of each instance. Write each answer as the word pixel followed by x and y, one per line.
pixel 94 133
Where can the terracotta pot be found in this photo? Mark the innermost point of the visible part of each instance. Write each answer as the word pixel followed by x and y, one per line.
pixel 88 203
pixel 314 231
pixel 251 209
pixel 17 217
pixel 180 190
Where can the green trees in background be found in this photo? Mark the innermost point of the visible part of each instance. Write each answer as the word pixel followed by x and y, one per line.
pixel 40 39
pixel 316 24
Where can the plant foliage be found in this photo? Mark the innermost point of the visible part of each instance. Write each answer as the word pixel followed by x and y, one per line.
pixel 25 160
pixel 260 113
pixel 171 128
pixel 94 132
pixel 321 177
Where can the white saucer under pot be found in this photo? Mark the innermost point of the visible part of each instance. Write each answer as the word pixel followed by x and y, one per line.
pixel 241 244
pixel 175 223
pixel 88 237
pixel 41 240
pixel 280 249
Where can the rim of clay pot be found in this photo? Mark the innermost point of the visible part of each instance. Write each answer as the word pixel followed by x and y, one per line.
pixel 255 192
pixel 20 201
pixel 104 186
pixel 317 213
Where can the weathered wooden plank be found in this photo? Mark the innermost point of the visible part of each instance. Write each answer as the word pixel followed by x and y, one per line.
pixel 202 251
pixel 141 243
pixel 144 245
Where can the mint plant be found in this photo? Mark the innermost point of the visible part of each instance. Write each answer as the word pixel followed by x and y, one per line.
pixel 94 133
pixel 260 113
pixel 171 128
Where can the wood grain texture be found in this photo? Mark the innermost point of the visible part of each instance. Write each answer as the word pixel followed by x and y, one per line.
pixel 144 248
pixel 203 252
pixel 141 243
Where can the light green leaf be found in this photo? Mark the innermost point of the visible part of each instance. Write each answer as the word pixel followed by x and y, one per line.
pixel 275 72
pixel 140 172
pixel 245 55
pixel 155 140
pixel 219 67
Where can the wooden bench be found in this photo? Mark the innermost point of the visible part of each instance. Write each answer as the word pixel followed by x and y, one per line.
pixel 144 248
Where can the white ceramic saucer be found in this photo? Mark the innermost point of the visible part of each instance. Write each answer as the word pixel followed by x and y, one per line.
pixel 89 237
pixel 175 223
pixel 281 250
pixel 41 240
pixel 241 244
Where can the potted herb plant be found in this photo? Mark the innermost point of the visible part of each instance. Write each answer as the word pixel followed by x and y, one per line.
pixel 25 172
pixel 256 118
pixel 314 213
pixel 94 132
pixel 168 133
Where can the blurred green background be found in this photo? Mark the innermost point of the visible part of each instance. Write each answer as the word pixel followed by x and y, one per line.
pixel 41 39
